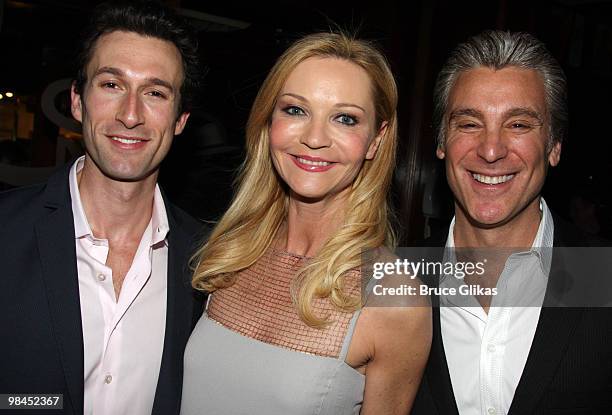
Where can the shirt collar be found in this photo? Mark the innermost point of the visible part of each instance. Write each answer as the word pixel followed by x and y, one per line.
pixel 542 244
pixel 159 218
pixel 81 225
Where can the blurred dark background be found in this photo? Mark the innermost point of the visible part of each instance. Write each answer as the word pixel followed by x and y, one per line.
pixel 239 43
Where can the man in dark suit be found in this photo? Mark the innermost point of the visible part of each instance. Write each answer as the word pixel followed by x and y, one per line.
pixel 500 111
pixel 95 301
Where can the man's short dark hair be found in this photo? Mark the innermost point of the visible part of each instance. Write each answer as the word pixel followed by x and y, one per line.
pixel 147 18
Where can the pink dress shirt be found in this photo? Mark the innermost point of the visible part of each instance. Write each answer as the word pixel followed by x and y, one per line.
pixel 123 337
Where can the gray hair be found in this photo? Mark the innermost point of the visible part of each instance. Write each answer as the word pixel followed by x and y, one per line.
pixel 497 49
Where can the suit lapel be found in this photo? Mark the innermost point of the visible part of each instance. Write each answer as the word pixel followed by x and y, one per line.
pixel 180 318
pixel 554 330
pixel 438 376
pixel 56 245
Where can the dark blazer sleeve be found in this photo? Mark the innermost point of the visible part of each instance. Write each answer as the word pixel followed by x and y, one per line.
pixel 184 307
pixel 424 402
pixel 42 348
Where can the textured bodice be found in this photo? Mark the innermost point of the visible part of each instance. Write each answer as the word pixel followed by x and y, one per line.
pixel 259 306
pixel 251 354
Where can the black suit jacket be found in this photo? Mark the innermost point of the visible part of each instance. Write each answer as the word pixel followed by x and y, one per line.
pixel 41 350
pixel 569 366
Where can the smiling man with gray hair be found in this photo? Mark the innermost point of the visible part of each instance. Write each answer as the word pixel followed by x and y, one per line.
pixel 500 114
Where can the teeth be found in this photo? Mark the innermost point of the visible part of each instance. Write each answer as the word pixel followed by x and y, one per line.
pixel 126 140
pixel 313 163
pixel 492 179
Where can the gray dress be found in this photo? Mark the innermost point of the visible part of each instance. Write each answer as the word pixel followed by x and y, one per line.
pixel 229 373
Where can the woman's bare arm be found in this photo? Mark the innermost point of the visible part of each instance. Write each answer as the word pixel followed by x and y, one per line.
pixel 391 345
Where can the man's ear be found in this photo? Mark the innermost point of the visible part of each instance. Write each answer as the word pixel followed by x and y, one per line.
pixel 554 156
pixel 440 153
pixel 181 121
pixel 76 103
pixel 373 148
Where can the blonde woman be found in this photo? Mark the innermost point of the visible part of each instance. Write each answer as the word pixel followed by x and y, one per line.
pixel 284 331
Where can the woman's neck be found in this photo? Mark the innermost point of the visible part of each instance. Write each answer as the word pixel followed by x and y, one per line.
pixel 311 223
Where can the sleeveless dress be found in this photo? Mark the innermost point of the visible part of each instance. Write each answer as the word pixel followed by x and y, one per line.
pixel 251 354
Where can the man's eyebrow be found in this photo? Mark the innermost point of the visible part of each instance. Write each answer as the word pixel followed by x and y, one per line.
pixel 119 73
pixel 469 112
pixel 524 111
pixel 108 70
pixel 160 82
pixel 512 112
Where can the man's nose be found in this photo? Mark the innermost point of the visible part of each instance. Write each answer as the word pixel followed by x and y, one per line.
pixel 493 145
pixel 130 112
pixel 316 135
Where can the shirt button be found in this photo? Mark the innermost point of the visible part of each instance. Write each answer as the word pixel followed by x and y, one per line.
pixel 491 348
pixel 101 277
pixel 108 379
pixel 491 411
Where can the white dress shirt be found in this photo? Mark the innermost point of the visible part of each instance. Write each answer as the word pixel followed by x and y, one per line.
pixel 486 353
pixel 123 337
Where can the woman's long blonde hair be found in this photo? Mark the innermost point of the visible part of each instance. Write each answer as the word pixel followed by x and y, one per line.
pixel 259 207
